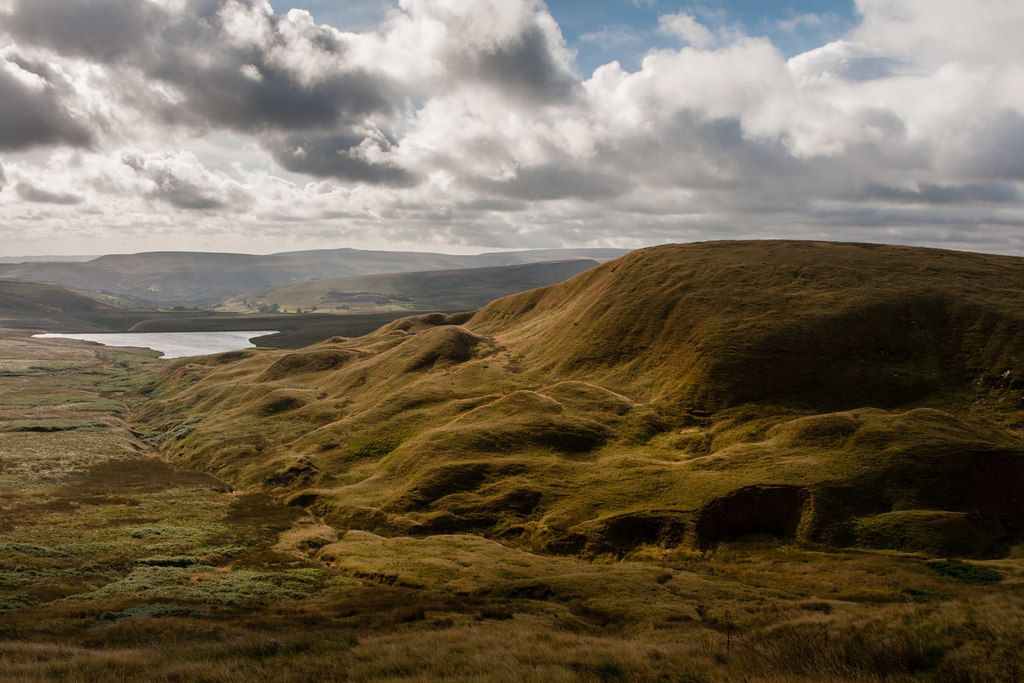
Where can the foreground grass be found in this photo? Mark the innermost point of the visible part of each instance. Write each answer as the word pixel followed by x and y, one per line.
pixel 115 565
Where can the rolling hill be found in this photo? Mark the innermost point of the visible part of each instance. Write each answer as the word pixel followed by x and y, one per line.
pixel 825 394
pixel 202 279
pixel 20 298
pixel 440 290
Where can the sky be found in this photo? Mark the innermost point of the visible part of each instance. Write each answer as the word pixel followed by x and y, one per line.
pixel 463 126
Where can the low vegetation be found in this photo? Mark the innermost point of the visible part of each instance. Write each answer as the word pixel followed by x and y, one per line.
pixel 494 496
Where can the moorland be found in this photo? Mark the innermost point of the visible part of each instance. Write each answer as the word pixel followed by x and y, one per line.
pixel 777 461
pixel 201 279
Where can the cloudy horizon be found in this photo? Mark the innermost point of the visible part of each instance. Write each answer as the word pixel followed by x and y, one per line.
pixel 467 126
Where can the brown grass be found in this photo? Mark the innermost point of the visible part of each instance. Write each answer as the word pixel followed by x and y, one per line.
pixel 485 499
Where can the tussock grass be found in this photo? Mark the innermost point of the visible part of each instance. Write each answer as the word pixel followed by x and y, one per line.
pixel 659 491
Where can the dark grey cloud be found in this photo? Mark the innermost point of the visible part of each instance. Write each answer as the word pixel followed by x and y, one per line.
pixel 34 115
pixel 218 83
pixel 224 96
pixel 337 155
pixel 996 146
pixel 524 67
pixel 690 152
pixel 226 85
pixel 105 30
pixel 38 195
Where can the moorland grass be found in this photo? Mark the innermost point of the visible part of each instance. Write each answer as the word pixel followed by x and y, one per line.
pixel 507 499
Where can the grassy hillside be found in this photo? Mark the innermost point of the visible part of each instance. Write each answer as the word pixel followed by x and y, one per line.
pixel 115 565
pixel 617 530
pixel 201 279
pixel 19 298
pixel 678 397
pixel 440 290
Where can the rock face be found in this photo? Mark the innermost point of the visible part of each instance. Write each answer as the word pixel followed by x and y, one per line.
pixel 817 393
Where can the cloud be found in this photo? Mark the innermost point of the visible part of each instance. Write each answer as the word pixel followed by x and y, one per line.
pixel 341 155
pixel 181 181
pixel 3 178
pixel 551 181
pixel 510 47
pixel 36 106
pixel 467 123
pixel 611 37
pixel 37 195
pixel 688 29
pixel 233 64
pixel 106 30
pixel 844 60
pixel 943 31
pixel 992 192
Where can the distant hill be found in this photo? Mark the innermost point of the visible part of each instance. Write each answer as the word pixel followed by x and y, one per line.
pixel 19 298
pixel 202 279
pixel 680 396
pixel 47 258
pixel 440 290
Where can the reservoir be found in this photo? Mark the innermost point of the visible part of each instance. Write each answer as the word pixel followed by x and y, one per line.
pixel 171 344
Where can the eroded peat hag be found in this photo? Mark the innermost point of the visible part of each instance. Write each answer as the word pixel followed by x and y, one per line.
pixel 500 496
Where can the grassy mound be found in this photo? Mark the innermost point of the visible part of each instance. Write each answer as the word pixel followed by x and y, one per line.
pixel 824 325
pixel 686 395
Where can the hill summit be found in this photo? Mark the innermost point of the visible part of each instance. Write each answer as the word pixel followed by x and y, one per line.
pixel 683 395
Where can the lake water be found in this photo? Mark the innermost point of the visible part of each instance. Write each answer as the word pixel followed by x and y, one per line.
pixel 171 344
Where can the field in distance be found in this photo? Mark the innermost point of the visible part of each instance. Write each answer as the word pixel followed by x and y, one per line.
pixel 463 289
pixel 199 279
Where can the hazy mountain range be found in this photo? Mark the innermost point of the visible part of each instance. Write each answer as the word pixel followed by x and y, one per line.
pixel 203 279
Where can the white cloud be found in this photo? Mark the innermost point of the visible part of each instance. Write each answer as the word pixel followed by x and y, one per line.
pixel 611 37
pixel 687 28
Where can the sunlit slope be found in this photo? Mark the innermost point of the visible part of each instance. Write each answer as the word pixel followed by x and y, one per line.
pixel 819 324
pixel 681 395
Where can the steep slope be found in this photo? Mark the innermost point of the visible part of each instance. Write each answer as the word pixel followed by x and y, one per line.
pixel 681 395
pixel 446 290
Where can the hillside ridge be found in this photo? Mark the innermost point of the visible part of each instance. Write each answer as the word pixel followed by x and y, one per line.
pixel 680 396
